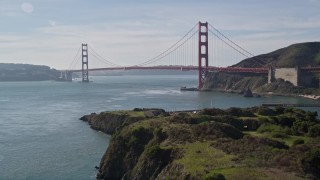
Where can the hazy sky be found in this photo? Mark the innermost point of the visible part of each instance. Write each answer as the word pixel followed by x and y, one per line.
pixel 49 32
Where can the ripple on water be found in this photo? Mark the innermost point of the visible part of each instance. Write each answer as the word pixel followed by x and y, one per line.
pixel 119 98
pixel 161 92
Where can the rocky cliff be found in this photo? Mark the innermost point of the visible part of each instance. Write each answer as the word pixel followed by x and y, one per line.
pixel 233 81
pixel 233 143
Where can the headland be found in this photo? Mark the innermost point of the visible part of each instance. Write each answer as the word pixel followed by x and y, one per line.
pixel 245 143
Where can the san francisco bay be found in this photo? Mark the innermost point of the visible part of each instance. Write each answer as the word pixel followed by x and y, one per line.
pixel 42 138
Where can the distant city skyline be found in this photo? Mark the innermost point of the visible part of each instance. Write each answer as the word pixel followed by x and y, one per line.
pixel 49 32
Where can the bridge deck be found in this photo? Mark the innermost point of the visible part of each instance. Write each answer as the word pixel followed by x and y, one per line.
pixel 182 68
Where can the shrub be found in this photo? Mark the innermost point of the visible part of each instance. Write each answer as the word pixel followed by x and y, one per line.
pixel 213 112
pixel 279 135
pixel 263 119
pixel 300 127
pixel 133 140
pixel 288 110
pixel 140 136
pixel 159 134
pixel 311 116
pixel 237 123
pixel 269 128
pixel 314 130
pixel 182 118
pixel 215 176
pixel 279 110
pixel 287 130
pixel 285 121
pixel 298 141
pixel 264 111
pixel 251 124
pixel 311 162
pixel 239 112
pixel 153 151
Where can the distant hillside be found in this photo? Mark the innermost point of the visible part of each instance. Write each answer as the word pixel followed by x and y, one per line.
pixel 27 72
pixel 302 54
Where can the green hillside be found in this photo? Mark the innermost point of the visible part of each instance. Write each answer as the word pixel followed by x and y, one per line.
pixel 301 54
pixel 27 72
pixel 244 144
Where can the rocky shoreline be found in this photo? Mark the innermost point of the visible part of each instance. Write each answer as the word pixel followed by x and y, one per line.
pixel 268 94
pixel 244 143
pixel 236 83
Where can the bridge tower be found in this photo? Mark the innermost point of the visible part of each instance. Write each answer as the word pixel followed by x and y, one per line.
pixel 202 53
pixel 85 71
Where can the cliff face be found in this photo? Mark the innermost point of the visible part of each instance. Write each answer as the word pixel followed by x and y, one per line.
pixel 257 83
pixel 145 149
pixel 233 81
pixel 203 145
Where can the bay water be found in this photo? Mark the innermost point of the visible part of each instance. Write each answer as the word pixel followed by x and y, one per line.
pixel 41 136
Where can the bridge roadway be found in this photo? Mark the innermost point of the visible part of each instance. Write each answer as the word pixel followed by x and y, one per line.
pixel 183 68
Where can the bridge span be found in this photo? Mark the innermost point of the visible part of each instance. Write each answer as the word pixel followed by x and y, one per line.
pixel 191 53
pixel 182 68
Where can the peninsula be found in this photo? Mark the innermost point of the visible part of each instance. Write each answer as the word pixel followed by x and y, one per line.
pixel 27 72
pixel 235 143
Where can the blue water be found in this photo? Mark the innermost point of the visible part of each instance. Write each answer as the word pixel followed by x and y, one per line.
pixel 42 138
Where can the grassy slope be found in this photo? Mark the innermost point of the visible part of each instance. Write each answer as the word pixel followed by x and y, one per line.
pixel 202 146
pixel 302 54
pixel 26 72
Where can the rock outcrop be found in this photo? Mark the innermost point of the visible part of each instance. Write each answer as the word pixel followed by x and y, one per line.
pixel 108 122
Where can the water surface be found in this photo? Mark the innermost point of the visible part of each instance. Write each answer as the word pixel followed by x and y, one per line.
pixel 42 138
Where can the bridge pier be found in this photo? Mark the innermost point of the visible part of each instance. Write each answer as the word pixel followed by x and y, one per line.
pixel 65 76
pixel 270 75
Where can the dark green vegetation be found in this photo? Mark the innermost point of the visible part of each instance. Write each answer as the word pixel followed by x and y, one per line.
pixel 251 143
pixel 303 55
pixel 27 72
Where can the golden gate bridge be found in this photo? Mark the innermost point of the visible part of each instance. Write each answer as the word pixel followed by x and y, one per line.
pixel 203 48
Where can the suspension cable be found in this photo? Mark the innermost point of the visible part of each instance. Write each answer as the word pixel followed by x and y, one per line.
pixel 165 55
pixel 252 55
pixel 102 59
pixel 74 59
pixel 156 57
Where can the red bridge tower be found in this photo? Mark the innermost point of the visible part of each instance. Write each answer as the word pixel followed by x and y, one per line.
pixel 85 71
pixel 203 53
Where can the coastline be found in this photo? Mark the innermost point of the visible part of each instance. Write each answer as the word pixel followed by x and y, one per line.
pixel 266 94
pixel 313 97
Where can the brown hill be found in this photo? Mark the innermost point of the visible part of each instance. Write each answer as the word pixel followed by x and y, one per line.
pixel 301 54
